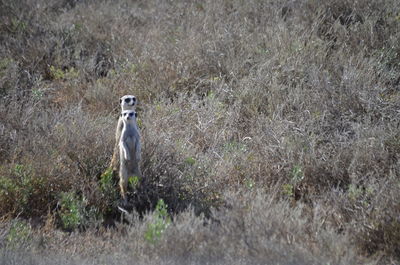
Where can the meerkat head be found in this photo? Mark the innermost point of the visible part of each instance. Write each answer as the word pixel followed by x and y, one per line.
pixel 129 116
pixel 128 102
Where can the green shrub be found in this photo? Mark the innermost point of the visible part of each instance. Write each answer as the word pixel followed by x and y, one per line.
pixel 296 174
pixel 109 193
pixel 58 74
pixel 107 183
pixel 287 190
pixel 75 212
pixel 71 212
pixel 133 182
pixel 161 221
pixel 23 193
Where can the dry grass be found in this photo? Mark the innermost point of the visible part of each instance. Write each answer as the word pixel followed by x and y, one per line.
pixel 270 129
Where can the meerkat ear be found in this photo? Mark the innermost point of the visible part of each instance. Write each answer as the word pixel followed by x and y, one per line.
pixel 135 114
pixel 120 100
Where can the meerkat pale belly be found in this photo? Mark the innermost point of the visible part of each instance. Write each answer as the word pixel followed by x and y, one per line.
pixel 127 102
pixel 130 149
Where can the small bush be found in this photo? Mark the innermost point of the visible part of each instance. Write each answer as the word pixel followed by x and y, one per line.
pixel 71 212
pixel 22 193
pixel 109 191
pixel 160 222
pixel 75 213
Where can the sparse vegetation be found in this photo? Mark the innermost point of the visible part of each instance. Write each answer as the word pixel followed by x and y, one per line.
pixel 19 234
pixel 270 131
pixel 156 228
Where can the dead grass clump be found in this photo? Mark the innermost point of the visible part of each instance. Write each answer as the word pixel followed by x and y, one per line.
pixel 52 151
pixel 376 207
pixel 256 230
pixel 172 170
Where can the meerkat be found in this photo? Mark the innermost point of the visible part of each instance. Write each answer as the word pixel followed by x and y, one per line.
pixel 129 151
pixel 127 102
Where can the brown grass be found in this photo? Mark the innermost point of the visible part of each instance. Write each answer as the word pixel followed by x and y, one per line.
pixel 270 129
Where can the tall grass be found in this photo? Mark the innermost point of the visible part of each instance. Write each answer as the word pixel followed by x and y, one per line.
pixel 270 130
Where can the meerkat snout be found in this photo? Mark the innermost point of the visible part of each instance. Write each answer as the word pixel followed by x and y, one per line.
pixel 129 114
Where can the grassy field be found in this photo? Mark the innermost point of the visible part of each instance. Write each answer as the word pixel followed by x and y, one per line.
pixel 270 131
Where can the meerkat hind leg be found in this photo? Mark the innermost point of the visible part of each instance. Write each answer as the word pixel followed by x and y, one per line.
pixel 115 159
pixel 123 183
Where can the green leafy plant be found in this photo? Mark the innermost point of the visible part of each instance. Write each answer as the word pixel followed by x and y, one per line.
pixel 109 191
pixel 139 122
pixel 19 233
pixel 190 161
pixel 71 213
pixel 75 212
pixel 287 189
pixel 37 94
pixel 71 73
pixel 354 192
pixel 22 192
pixel 7 187
pixel 134 181
pixel 106 181
pixel 59 74
pixel 161 221
pixel 296 174
pixel 249 183
pixel 56 73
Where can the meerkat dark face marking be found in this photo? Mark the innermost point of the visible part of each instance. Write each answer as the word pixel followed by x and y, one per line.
pixel 129 114
pixel 130 100
pixel 127 101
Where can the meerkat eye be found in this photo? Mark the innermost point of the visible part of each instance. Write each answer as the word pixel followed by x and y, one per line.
pixel 127 100
pixel 130 114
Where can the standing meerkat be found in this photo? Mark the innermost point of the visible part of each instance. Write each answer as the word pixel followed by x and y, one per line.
pixel 127 102
pixel 129 151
